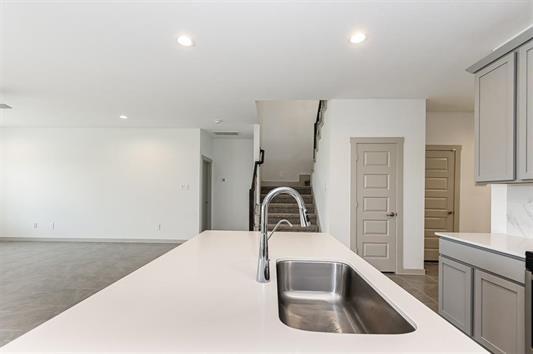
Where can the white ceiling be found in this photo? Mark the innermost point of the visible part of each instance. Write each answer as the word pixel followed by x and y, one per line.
pixel 84 64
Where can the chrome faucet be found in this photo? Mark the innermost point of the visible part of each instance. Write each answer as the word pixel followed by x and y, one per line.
pixel 263 263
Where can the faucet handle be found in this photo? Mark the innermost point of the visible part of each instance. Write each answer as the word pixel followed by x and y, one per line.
pixel 282 221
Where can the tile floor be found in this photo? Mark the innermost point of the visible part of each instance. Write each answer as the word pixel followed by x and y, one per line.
pixel 423 287
pixel 39 280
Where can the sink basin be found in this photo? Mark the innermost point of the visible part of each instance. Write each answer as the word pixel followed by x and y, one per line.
pixel 332 297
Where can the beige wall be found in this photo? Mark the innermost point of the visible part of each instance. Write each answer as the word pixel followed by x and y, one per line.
pixel 134 183
pixel 345 119
pixel 457 128
pixel 287 138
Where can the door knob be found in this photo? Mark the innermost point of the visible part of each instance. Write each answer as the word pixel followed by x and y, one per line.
pixel 391 213
pixel 450 212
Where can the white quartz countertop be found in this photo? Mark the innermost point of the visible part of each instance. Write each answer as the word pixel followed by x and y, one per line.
pixel 202 297
pixel 502 243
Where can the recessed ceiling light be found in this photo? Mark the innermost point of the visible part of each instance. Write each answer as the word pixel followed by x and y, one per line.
pixel 122 116
pixel 185 41
pixel 218 121
pixel 357 37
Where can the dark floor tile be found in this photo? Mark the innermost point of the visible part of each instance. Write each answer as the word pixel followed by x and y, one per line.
pixel 7 335
pixel 39 280
pixel 424 287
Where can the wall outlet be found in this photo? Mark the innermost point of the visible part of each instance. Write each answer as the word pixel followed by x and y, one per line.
pixel 35 225
pixel 158 227
pixel 52 226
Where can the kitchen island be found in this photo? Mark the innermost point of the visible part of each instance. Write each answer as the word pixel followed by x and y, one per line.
pixel 482 287
pixel 203 296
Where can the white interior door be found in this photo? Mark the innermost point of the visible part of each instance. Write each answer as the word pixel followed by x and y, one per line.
pixel 439 212
pixel 377 203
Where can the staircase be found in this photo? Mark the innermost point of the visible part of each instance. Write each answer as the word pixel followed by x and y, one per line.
pixel 284 207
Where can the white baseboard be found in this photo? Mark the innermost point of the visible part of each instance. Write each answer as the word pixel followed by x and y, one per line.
pixel 78 239
pixel 411 272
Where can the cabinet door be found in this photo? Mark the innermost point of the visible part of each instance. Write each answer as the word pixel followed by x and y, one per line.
pixel 455 293
pixel 498 313
pixel 495 120
pixel 525 111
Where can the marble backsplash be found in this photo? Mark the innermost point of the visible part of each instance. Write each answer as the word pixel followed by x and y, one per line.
pixel 520 210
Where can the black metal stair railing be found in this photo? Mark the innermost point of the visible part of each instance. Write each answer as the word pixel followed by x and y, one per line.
pixel 318 122
pixel 252 191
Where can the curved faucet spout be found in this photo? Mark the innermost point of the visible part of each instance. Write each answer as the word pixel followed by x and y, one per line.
pixel 263 264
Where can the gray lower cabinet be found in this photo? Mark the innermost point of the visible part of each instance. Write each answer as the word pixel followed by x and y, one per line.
pixel 498 313
pixel 525 112
pixel 482 293
pixel 455 293
pixel 494 119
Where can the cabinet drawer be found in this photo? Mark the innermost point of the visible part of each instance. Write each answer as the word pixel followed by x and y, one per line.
pixel 497 263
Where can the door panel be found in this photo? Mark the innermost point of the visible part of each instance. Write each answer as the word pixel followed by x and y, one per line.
pixel 376 169
pixel 439 198
pixel 498 313
pixel 455 293
pixel 525 114
pixel 494 117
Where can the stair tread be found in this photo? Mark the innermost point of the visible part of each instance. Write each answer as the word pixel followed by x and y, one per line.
pixel 302 194
pixel 271 226
pixel 295 228
pixel 295 187
pixel 281 204
pixel 289 214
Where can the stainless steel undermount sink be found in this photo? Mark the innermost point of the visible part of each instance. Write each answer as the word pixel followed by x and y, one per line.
pixel 332 297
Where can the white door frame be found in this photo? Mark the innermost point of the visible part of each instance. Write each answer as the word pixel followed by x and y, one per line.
pixel 399 197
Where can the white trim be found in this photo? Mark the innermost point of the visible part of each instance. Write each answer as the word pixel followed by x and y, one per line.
pixel 404 271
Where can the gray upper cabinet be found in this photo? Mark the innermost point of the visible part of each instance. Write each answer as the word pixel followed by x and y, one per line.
pixel 495 106
pixel 525 112
pixel 504 112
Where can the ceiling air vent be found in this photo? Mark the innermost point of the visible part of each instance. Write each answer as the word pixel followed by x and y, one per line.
pixel 5 106
pixel 226 133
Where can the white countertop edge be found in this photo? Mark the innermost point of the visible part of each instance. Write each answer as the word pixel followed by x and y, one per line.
pixel 508 245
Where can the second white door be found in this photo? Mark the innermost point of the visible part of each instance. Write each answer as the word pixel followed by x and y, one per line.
pixel 377 201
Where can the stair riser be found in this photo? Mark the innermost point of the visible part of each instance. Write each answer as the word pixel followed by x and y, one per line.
pixel 312 228
pixel 308 199
pixel 273 208
pixel 300 189
pixel 294 219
